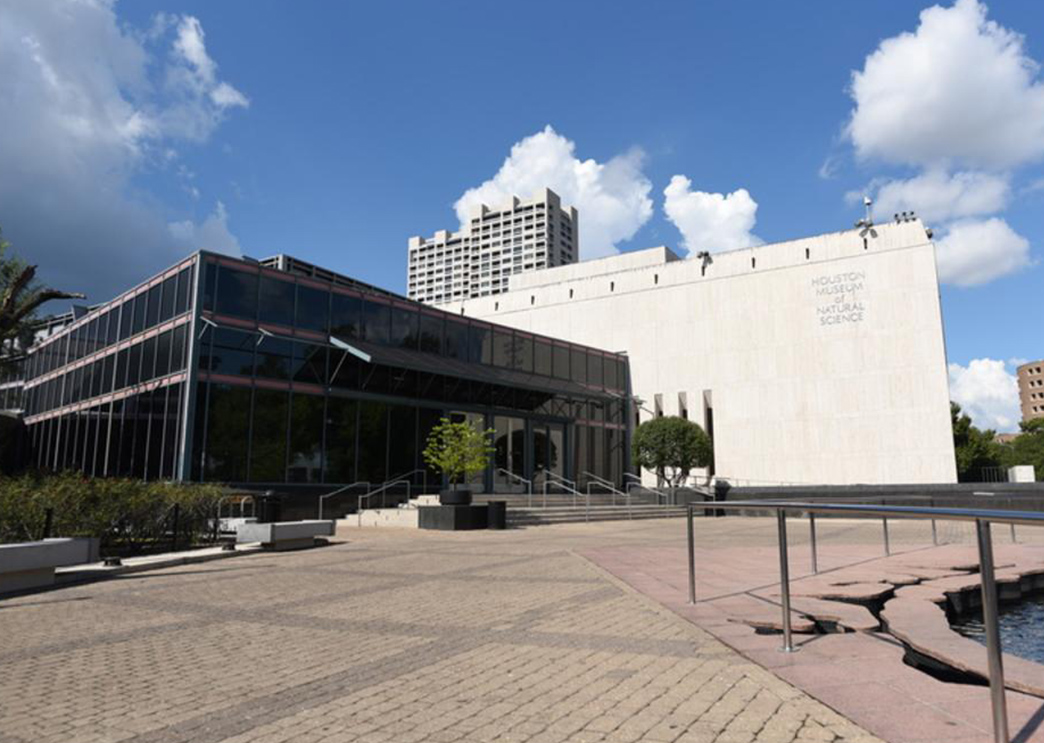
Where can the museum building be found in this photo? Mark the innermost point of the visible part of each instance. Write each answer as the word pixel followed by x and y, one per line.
pixel 280 375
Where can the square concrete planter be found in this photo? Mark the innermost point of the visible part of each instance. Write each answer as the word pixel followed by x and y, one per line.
pixel 26 565
pixel 285 535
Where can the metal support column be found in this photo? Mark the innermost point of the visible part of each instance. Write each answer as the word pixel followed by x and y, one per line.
pixel 812 535
pixel 993 642
pixel 692 560
pixel 784 580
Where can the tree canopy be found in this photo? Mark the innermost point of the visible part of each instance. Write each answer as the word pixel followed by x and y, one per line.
pixel 1028 446
pixel 975 449
pixel 458 449
pixel 671 447
pixel 21 295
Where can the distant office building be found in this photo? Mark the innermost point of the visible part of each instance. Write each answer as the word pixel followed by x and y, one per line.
pixel 1031 389
pixel 282 375
pixel 818 360
pixel 494 245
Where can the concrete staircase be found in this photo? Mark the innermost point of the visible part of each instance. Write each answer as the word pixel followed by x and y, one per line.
pixel 521 516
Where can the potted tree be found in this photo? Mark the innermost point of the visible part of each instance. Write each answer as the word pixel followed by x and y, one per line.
pixel 459 451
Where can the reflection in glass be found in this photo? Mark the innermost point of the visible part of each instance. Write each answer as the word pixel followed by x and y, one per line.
pixel 268 442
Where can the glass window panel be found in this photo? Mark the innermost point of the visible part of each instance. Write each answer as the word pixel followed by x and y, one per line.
pixel 237 295
pixel 181 299
pixel 177 348
pixel 340 440
pixel 210 276
pixel 232 351
pixel 228 428
pixel 376 321
pixel 579 365
pixel 345 313
pixel 610 368
pixel 309 363
pixel 404 329
pixel 96 378
pixel 561 361
pixel 402 435
pixel 456 340
pixel 313 308
pixel 428 418
pixel 163 353
pixel 542 358
pixel 273 358
pixel 140 302
pixel 594 369
pixel 431 333
pixel 114 326
pixel 126 314
pixel 148 359
pixel 167 298
pixel 277 301
pixel 480 340
pixel 112 463
pixel 502 350
pixel 157 428
pixel 171 430
pixel 523 353
pixel 107 369
pixel 268 438
pixel 152 318
pixel 306 438
pixel 373 440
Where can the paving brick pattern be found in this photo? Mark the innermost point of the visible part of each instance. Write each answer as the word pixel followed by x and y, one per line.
pixel 397 636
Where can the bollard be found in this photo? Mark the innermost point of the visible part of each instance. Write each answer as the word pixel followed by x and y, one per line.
pixel 993 642
pixel 812 534
pixel 692 561
pixel 784 579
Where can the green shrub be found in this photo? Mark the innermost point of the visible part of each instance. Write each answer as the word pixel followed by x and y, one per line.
pixel 129 516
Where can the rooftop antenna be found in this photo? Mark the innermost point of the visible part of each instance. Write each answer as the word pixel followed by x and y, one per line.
pixel 866 223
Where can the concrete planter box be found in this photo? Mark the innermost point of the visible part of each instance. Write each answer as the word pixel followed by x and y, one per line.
pixel 31 564
pixel 285 535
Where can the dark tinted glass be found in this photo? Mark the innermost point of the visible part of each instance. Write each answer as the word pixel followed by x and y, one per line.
pixel 126 313
pixel 309 363
pixel 148 359
pixel 502 348
pixel 431 333
pixel 114 326
pixel 177 348
pixel 140 302
pixel 210 277
pixel 344 315
pixel 170 286
pixel 163 353
pixel 578 365
pixel 237 293
pixel 306 439
pixel 456 340
pixel 232 352
pixel 181 300
pixel 376 321
pixel 313 308
pixel 134 365
pixel 610 367
pixel 340 440
pixel 268 440
pixel 594 369
pixel 107 372
pixel 523 353
pixel 153 306
pixel 402 440
pixel 121 369
pixel 403 327
pixel 273 358
pixel 561 361
pixel 228 428
pixel 277 301
pixel 373 439
pixel 542 358
pixel 480 342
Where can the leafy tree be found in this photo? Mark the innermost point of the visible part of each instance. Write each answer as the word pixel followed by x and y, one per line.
pixel 1028 446
pixel 671 447
pixel 975 449
pixel 20 296
pixel 458 449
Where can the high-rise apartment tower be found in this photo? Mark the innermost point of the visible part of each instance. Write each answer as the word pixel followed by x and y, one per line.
pixel 493 245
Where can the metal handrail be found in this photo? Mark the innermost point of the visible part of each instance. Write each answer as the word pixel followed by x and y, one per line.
pixel 603 483
pixel 982 517
pixel 337 492
pixel 529 483
pixel 380 491
pixel 563 482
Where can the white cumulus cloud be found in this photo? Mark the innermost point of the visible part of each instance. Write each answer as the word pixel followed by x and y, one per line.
pixel 939 197
pixel 988 393
pixel 974 252
pixel 89 104
pixel 612 198
pixel 710 221
pixel 210 234
pixel 958 91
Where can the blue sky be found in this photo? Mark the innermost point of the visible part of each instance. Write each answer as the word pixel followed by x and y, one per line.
pixel 334 131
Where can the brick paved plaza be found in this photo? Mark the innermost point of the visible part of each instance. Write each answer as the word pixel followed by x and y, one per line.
pixel 392 636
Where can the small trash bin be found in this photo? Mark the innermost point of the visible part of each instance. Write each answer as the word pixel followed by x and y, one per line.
pixel 497 514
pixel 721 493
pixel 269 508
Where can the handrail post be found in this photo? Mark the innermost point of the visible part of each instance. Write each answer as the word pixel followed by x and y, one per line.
pixel 887 545
pixel 812 535
pixel 784 579
pixel 935 533
pixel 692 559
pixel 993 641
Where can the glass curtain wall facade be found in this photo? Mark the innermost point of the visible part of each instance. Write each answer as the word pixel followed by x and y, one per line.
pixel 225 370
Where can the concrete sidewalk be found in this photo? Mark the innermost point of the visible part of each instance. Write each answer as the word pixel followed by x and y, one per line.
pixel 398 636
